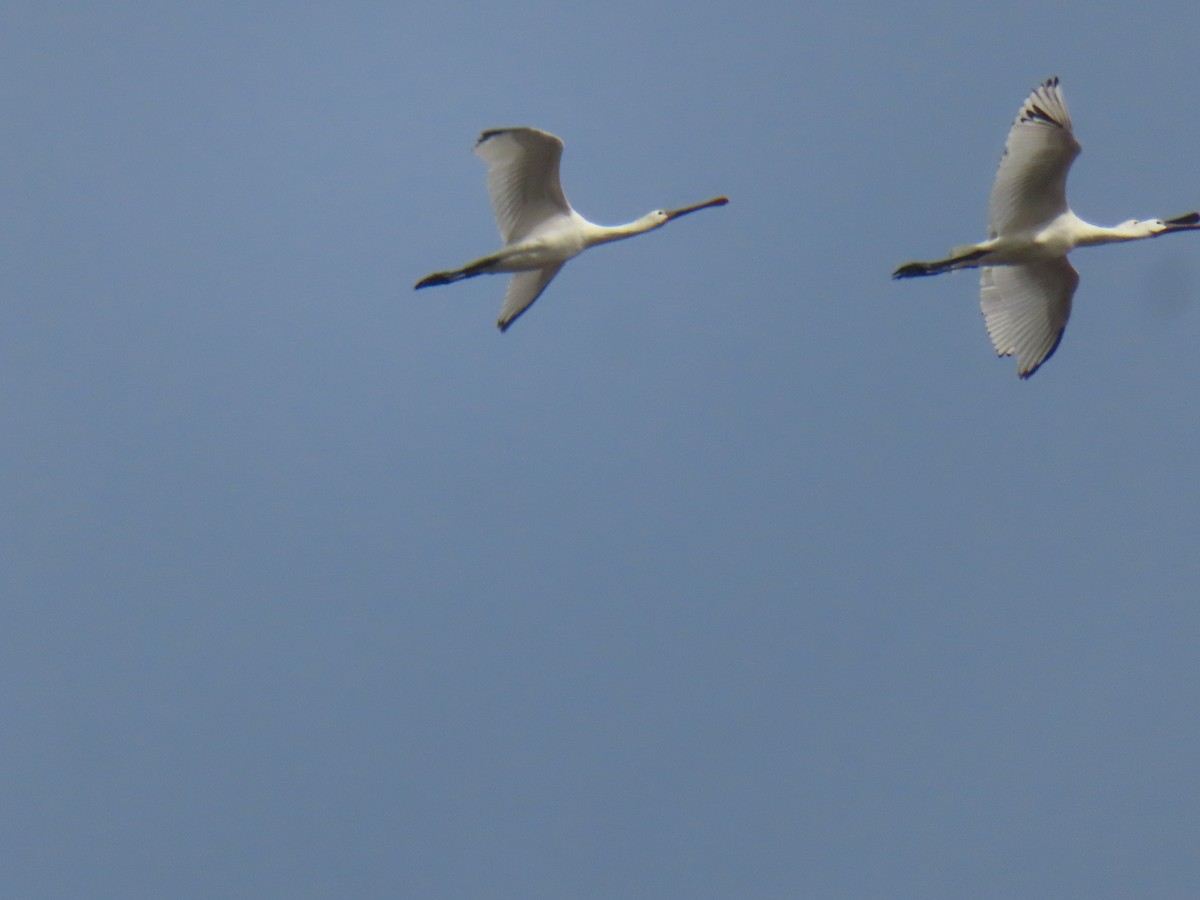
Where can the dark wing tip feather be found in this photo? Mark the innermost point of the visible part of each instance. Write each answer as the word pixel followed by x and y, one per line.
pixel 491 133
pixel 1049 353
pixel 528 130
pixel 1032 112
pixel 1041 362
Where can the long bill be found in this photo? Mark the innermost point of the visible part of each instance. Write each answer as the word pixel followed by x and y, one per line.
pixel 676 213
pixel 1189 222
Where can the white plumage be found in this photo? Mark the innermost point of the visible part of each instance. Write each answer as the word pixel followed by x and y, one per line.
pixel 1026 282
pixel 540 229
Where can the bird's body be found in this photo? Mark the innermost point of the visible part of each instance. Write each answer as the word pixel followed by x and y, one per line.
pixel 540 229
pixel 1026 282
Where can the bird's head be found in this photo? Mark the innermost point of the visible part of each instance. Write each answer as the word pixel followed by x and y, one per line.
pixel 661 217
pixel 1132 229
pixel 656 219
pixel 1140 228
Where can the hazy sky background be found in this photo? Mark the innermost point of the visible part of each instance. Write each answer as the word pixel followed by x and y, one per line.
pixel 734 569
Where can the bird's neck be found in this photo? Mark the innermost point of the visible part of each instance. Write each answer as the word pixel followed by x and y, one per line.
pixel 1091 235
pixel 605 233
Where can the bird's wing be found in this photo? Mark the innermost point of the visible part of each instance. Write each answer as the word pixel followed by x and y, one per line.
pixel 1031 185
pixel 1026 309
pixel 522 178
pixel 524 288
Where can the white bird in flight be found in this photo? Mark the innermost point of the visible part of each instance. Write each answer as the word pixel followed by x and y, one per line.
pixel 540 229
pixel 1026 282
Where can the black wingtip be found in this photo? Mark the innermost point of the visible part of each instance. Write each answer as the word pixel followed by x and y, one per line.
pixel 1025 376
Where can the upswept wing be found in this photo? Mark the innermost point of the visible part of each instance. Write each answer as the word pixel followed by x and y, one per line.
pixel 1026 309
pixel 1031 184
pixel 523 289
pixel 522 179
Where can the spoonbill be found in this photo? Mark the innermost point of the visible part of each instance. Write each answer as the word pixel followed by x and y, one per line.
pixel 540 229
pixel 1026 282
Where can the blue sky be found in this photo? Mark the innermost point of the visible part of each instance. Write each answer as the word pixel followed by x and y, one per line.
pixel 732 569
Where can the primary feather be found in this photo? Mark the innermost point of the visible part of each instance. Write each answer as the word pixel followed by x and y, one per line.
pixel 522 179
pixel 1031 184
